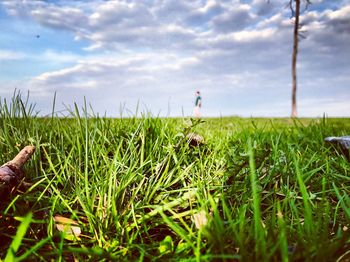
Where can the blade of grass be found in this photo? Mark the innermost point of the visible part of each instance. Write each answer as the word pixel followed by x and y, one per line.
pixel 16 242
pixel 259 234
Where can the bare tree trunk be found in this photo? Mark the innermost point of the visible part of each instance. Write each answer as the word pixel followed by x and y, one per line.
pixel 294 59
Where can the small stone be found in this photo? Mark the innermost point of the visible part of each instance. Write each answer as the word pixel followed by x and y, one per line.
pixel 291 249
pixel 195 139
pixel 343 142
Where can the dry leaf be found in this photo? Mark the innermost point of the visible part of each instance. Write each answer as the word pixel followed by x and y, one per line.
pixel 68 226
pixel 200 219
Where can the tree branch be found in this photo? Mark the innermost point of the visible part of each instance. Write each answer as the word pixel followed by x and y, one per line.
pixel 11 173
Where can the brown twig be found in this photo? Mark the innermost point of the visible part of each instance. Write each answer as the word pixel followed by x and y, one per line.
pixel 22 157
pixel 11 173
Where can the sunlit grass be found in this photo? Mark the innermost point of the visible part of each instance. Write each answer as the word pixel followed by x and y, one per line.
pixel 257 189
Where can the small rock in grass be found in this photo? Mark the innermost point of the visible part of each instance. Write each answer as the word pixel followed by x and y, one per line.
pixel 195 139
pixel 291 249
pixel 342 141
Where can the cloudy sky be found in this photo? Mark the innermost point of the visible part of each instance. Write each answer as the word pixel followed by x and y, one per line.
pixel 157 53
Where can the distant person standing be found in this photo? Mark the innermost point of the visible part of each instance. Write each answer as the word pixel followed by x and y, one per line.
pixel 198 105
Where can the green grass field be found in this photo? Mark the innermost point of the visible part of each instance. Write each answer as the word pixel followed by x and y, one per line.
pixel 257 189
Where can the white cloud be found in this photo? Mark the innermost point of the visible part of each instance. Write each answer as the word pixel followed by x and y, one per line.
pixel 58 57
pixel 326 106
pixel 48 56
pixel 265 7
pixel 253 35
pixel 120 13
pixel 343 13
pixel 236 18
pixel 6 55
pixel 60 17
pixel 125 72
